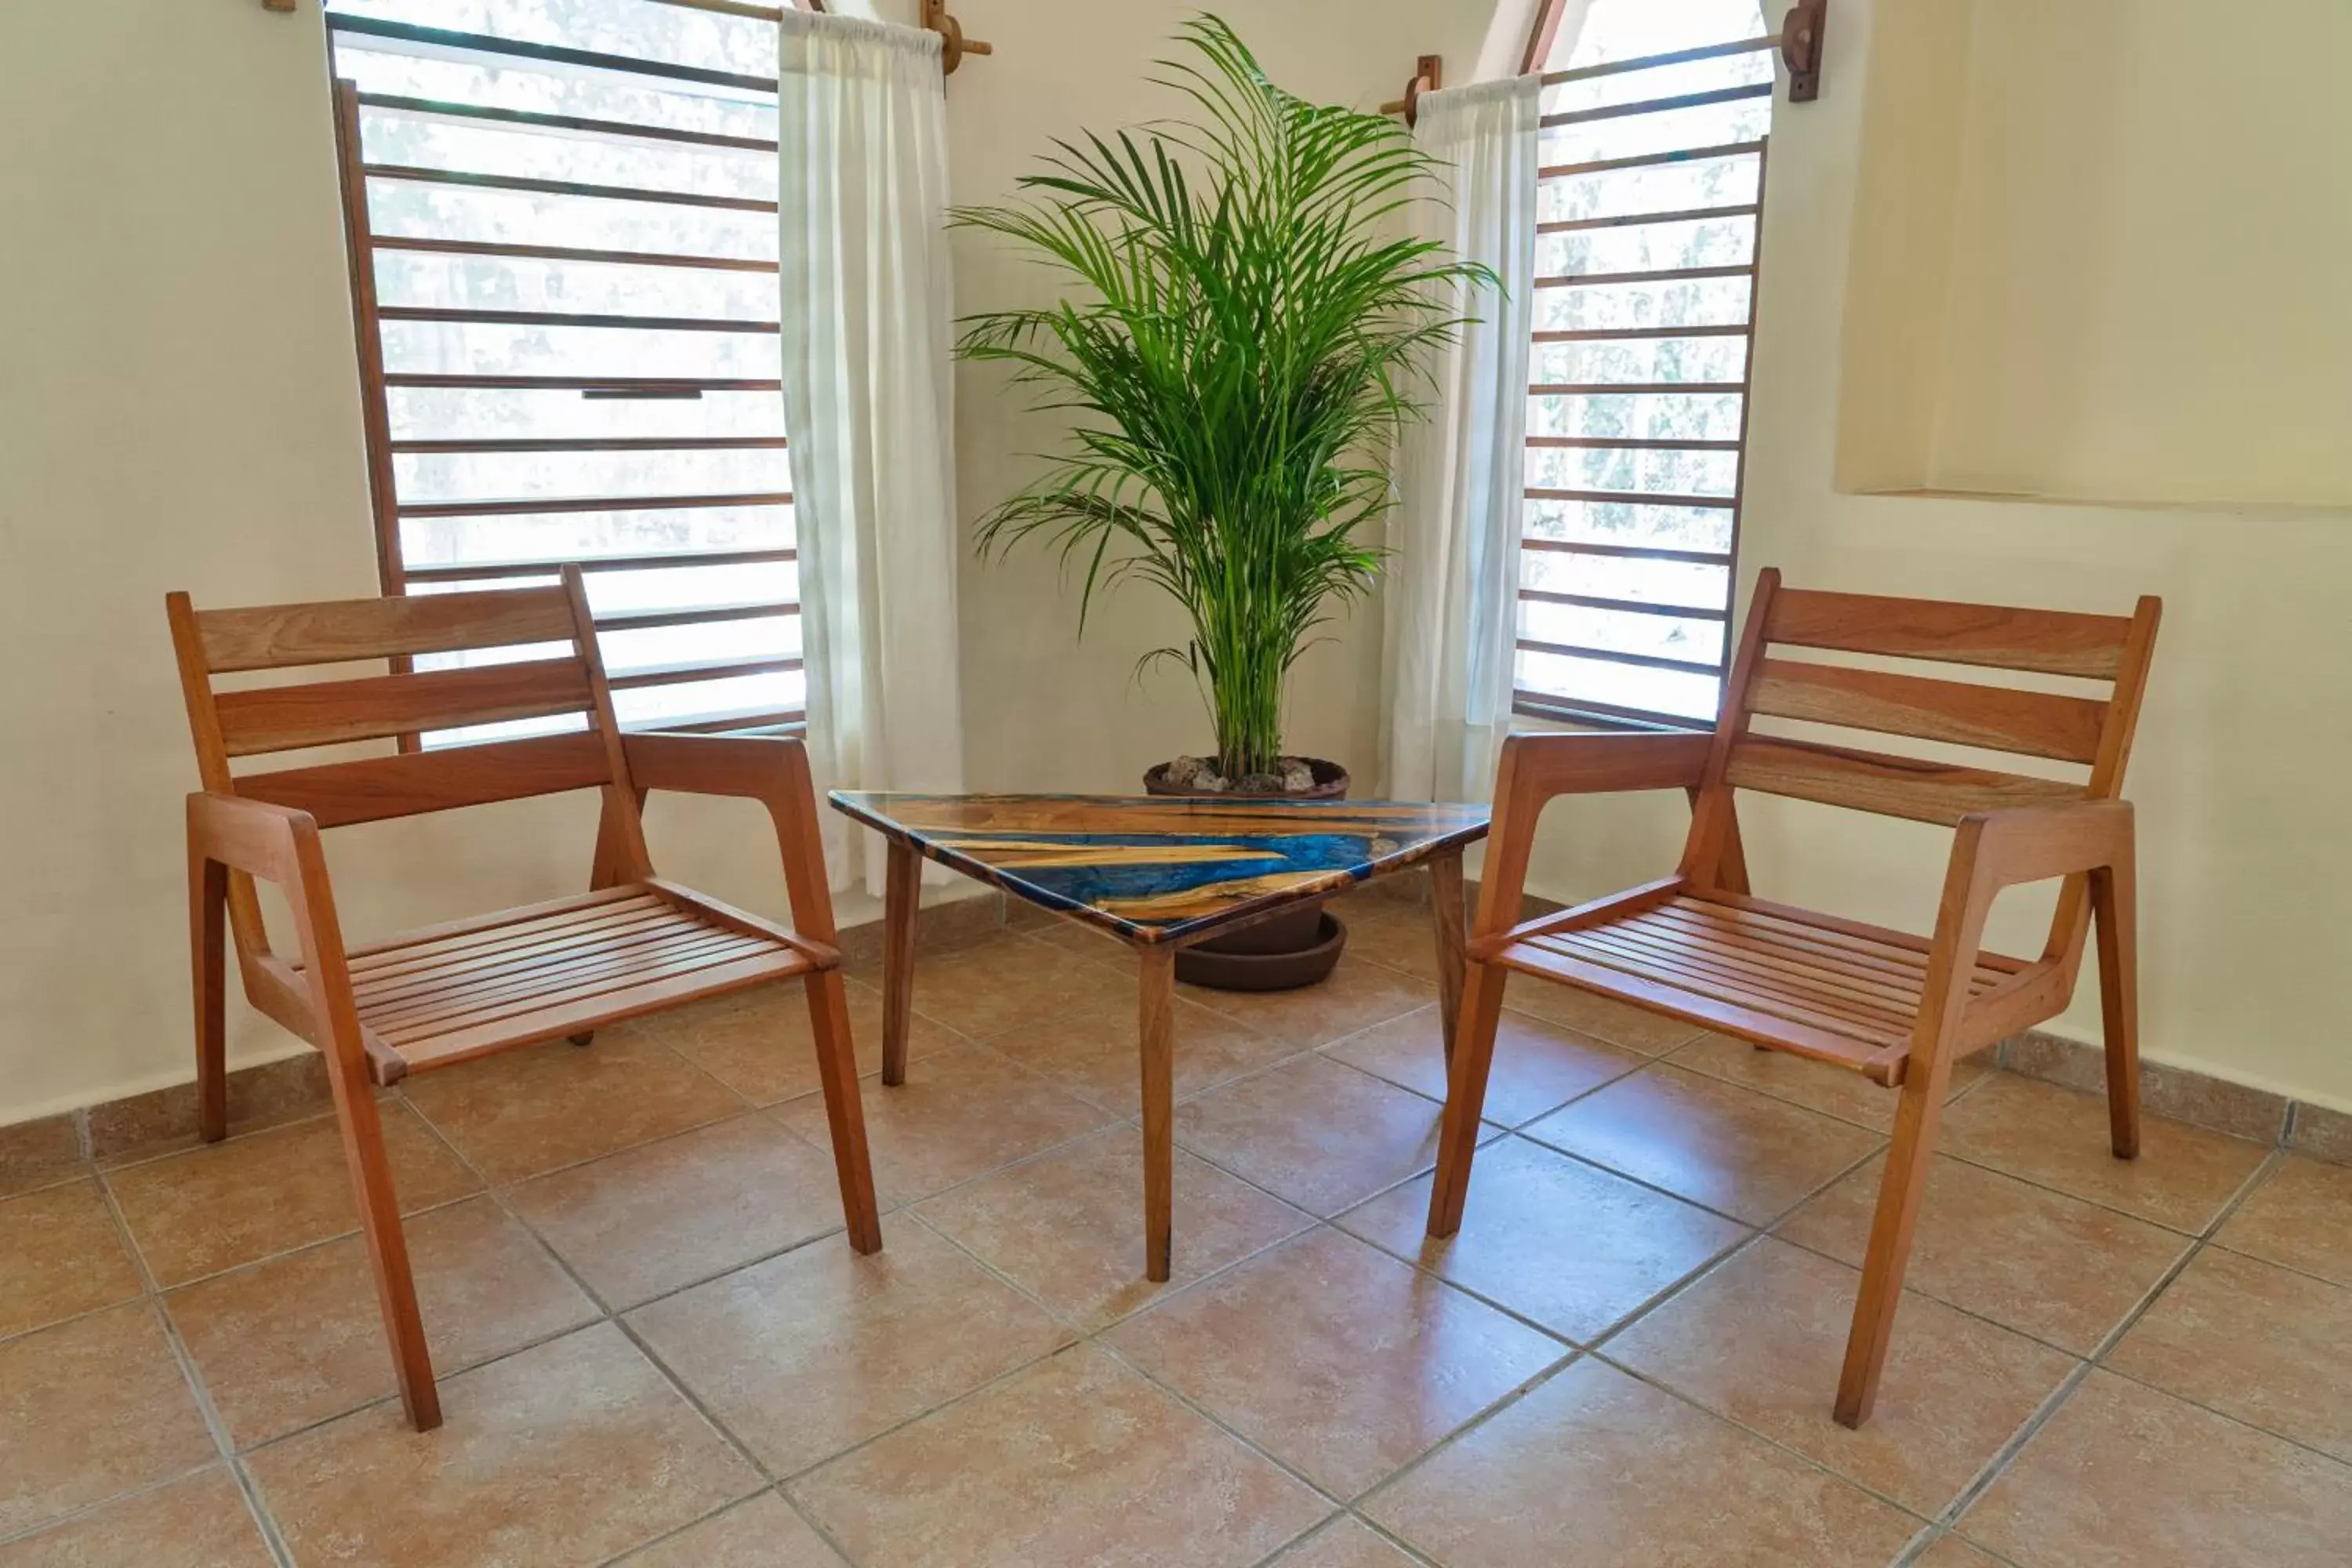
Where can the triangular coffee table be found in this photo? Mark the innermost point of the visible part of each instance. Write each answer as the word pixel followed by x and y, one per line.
pixel 1160 874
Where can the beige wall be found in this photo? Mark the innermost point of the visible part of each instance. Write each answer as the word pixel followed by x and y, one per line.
pixel 2246 847
pixel 2131 240
pixel 178 410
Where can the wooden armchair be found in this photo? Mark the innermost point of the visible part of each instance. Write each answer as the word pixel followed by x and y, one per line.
pixel 451 993
pixel 1897 1008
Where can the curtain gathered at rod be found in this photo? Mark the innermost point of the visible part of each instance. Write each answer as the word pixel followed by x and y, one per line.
pixel 869 399
pixel 1452 598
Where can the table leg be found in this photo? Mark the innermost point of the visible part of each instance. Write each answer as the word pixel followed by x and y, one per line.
pixel 1446 910
pixel 1156 1030
pixel 902 890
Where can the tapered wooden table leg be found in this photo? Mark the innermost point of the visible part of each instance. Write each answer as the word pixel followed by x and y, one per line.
pixel 1447 912
pixel 902 890
pixel 1156 1028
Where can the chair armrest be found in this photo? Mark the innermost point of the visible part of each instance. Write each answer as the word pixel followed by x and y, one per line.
pixel 771 769
pixel 1541 766
pixel 252 836
pixel 2034 843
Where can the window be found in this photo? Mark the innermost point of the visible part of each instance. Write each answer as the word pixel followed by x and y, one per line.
pixel 1653 182
pixel 563 241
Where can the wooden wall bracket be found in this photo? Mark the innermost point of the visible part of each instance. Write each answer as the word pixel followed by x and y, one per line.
pixel 954 46
pixel 1428 75
pixel 1800 48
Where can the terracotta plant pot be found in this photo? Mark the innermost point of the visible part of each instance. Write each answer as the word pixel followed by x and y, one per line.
pixel 1296 948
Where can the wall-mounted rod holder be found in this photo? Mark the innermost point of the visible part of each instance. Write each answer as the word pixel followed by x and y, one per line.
pixel 1428 75
pixel 1800 48
pixel 953 45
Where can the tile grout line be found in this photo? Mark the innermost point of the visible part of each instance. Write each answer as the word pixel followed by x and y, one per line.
pixel 2008 1453
pixel 273 1538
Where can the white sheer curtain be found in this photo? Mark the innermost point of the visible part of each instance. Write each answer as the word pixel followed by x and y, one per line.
pixel 868 397
pixel 1452 594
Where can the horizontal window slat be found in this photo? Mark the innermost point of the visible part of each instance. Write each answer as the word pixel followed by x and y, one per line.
pixel 1656 275
pixel 1651 160
pixel 1671 57
pixel 1658 105
pixel 589 503
pixel 593 443
pixel 581 125
pixel 1626 552
pixel 559 319
pixel 1635 607
pixel 1634 497
pixel 1638 220
pixel 414 175
pixel 656 386
pixel 523 252
pixel 1631 444
pixel 1643 660
pixel 701 669
pixel 1535 704
pixel 1639 334
pixel 1632 388
pixel 635 620
pixel 705 724
pixel 446 40
pixel 460 571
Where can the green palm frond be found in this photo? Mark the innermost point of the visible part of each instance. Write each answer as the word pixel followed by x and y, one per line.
pixel 1247 325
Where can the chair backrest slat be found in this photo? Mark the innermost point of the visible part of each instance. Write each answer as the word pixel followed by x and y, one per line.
pixel 1890 786
pixel 1996 718
pixel 2053 642
pixel 374 788
pixel 341 631
pixel 326 712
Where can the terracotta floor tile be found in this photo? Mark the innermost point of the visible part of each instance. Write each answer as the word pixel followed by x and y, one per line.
pixel 2058 1138
pixel 1346 1543
pixel 2265 1344
pixel 1076 1461
pixel 1762 1340
pixel 2038 1261
pixel 1357 997
pixel 959 1114
pixel 1596 1467
pixel 1323 1136
pixel 299 1339
pixel 758 1044
pixel 1553 1239
pixel 200 1523
pixel 1537 1066
pixel 543 1106
pixel 988 986
pixel 1951 1552
pixel 805 1354
pixel 662 1215
pixel 1728 1148
pixel 1069 1227
pixel 39 1152
pixel 1335 1358
pixel 1817 1086
pixel 1091 1051
pixel 572 1451
pixel 1404 941
pixel 60 1255
pixel 1603 1017
pixel 2127 1476
pixel 91 1409
pixel 231 1203
pixel 2301 1217
pixel 762 1533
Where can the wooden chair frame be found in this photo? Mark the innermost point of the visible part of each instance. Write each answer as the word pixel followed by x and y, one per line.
pixel 1898 1008
pixel 634 944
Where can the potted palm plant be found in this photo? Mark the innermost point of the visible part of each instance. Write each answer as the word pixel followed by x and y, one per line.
pixel 1249 326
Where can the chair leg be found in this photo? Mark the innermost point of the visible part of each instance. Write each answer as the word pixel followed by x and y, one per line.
pixel 208 943
pixel 837 1066
pixel 1465 1094
pixel 1891 1228
pixel 2113 899
pixel 387 1244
